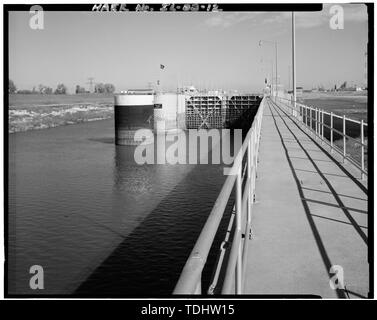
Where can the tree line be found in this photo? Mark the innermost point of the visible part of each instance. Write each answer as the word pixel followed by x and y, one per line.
pixel 98 88
pixel 61 89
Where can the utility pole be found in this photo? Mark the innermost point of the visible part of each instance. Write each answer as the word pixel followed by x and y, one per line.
pixel 272 76
pixel 276 70
pixel 276 61
pixel 366 69
pixel 294 63
pixel 90 82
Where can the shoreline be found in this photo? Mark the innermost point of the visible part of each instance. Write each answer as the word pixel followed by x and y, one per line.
pixel 354 95
pixel 58 125
pixel 27 118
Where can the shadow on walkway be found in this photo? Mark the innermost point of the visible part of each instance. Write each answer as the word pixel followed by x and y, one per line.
pixel 279 115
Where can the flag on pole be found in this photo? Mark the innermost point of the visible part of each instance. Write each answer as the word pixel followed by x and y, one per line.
pixel 162 66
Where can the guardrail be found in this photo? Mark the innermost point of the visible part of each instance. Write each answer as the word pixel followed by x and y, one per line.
pixel 190 281
pixel 314 117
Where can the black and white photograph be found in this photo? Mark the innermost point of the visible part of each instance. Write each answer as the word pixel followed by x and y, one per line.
pixel 188 150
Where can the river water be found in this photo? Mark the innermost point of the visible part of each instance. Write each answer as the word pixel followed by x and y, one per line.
pixel 98 223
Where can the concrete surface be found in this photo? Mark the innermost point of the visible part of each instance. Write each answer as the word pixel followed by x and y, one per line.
pixel 309 215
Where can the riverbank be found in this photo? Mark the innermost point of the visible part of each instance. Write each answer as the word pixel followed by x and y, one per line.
pixel 35 111
pixel 336 94
pixel 353 104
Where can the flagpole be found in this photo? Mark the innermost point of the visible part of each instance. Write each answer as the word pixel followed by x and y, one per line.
pixel 162 67
pixel 293 63
pixel 159 80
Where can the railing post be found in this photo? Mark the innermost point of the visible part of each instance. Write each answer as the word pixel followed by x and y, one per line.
pixel 323 124
pixel 304 115
pixel 319 124
pixel 331 132
pixel 310 118
pixel 344 138
pixel 316 121
pixel 255 147
pixel 238 284
pixel 249 175
pixel 362 150
pixel 293 105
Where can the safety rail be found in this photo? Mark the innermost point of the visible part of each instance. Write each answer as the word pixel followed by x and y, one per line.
pixel 310 117
pixel 190 281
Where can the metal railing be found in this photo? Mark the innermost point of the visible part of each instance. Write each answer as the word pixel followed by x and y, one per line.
pixel 190 281
pixel 313 119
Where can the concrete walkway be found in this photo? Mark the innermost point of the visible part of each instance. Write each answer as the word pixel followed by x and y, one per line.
pixel 309 215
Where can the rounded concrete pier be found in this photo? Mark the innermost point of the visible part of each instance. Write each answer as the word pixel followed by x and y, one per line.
pixel 133 110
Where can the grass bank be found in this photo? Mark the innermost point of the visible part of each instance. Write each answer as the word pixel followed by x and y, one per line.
pixel 32 112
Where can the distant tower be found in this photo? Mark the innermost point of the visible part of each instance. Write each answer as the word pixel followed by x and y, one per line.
pixel 90 82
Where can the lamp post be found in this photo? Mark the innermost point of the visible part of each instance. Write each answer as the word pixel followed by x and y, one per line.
pixel 272 71
pixel 293 63
pixel 276 60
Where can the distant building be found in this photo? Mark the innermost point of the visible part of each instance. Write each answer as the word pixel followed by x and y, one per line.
pixel 299 91
pixel 190 89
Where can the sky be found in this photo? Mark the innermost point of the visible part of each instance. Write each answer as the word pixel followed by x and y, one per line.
pixel 207 50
